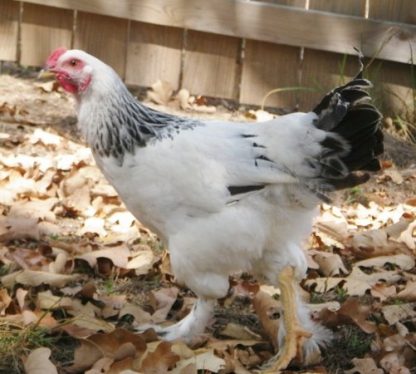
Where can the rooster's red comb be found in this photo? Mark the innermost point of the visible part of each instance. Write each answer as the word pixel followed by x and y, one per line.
pixel 53 58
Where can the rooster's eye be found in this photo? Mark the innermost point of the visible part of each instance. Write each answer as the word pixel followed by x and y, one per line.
pixel 73 62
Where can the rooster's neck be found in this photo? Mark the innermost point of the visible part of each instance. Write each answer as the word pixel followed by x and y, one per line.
pixel 115 123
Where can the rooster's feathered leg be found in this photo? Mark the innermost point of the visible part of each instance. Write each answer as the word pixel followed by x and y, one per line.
pixel 190 327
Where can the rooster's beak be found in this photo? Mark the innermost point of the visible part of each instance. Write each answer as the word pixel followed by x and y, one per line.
pixel 46 74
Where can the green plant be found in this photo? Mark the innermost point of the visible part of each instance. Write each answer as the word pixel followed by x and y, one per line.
pixel 354 194
pixel 341 294
pixel 15 342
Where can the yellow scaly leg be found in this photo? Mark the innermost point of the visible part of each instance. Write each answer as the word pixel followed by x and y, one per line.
pixel 295 334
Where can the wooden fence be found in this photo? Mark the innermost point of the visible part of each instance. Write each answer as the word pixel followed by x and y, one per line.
pixel 234 49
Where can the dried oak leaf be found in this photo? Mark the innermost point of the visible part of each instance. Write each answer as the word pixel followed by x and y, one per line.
pixel 397 313
pixel 404 262
pixel 364 366
pixel 393 363
pixel 38 362
pixel 164 300
pixel 351 312
pixel 356 284
pixel 409 292
pixel 116 345
pixel 161 92
pixel 383 292
pixel 38 209
pixel 5 301
pixel 117 255
pixel 35 278
pixel 329 263
pixel 160 360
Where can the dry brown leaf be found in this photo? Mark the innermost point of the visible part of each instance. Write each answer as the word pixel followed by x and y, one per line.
pixel 382 291
pixel 117 255
pixel 38 209
pixel 394 342
pixel 404 262
pixel 35 278
pixel 364 366
pixel 409 292
pixel 86 354
pixel 44 137
pixel 356 284
pixel 332 229
pixel 382 241
pixel 160 360
pixel 183 96
pixel 329 263
pixel 5 301
pixel 58 266
pixel 239 332
pixel 116 345
pixel 142 263
pixel 161 92
pixel 46 300
pixel 112 305
pixel 394 175
pixel 101 366
pixel 38 362
pixel 81 201
pixel 408 236
pixel 393 363
pixel 18 228
pixel 165 298
pixel 204 359
pixel 140 316
pixel 351 312
pixel 397 313
pixel 86 321
pixel 93 225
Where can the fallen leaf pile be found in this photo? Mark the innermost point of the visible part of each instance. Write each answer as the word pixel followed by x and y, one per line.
pixel 79 273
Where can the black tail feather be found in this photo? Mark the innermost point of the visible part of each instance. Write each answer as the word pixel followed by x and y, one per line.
pixel 354 136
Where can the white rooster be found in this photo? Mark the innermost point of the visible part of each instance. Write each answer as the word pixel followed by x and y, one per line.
pixel 226 197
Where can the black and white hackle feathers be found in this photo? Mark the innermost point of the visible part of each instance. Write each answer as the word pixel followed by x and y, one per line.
pixel 227 197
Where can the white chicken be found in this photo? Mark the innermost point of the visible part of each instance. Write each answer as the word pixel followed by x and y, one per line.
pixel 226 197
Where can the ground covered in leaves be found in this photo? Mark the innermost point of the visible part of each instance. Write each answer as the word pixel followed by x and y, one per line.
pixel 78 273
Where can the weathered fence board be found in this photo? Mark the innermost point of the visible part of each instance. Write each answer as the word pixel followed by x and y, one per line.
pixel 234 49
pixel 394 10
pixel 266 67
pixel 351 7
pixel 322 70
pixel 9 16
pixel 210 65
pixel 394 88
pixel 255 20
pixel 105 37
pixel 153 52
pixel 269 67
pixel 43 30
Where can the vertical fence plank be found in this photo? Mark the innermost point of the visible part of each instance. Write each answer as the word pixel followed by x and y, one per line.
pixel 154 52
pixel 210 64
pixel 351 7
pixel 394 83
pixel 9 18
pixel 270 66
pixel 266 67
pixel 321 71
pixel 393 10
pixel 43 30
pixel 104 37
